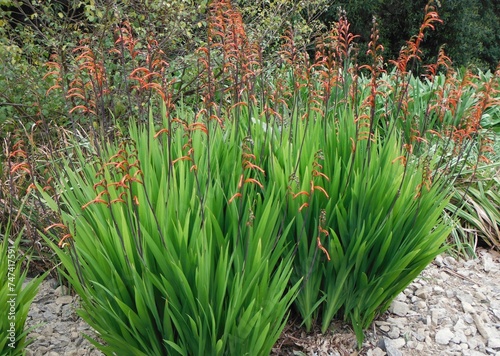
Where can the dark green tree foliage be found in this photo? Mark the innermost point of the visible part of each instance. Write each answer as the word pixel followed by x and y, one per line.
pixel 470 31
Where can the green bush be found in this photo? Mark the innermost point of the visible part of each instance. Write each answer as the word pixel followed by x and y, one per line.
pixel 166 258
pixel 365 224
pixel 15 297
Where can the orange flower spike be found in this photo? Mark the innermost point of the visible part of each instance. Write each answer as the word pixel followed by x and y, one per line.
pixel 305 205
pixel 61 242
pixel 300 193
pixel 237 195
pixel 17 153
pixel 319 174
pixel 54 87
pixel 253 166
pixel 317 187
pixel 137 70
pixel 408 147
pixel 120 165
pixel 95 201
pixel 100 195
pixel 62 226
pixel 252 180
pixel 247 156
pixel 183 158
pixel 323 231
pixel 240 183
pixel 132 179
pixel 165 131
pixel 118 184
pixel 21 166
pixel 31 187
pixel 400 158
pixel 323 249
pixel 198 126
pixel 81 107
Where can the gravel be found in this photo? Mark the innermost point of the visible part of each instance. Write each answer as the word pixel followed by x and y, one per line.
pixel 452 308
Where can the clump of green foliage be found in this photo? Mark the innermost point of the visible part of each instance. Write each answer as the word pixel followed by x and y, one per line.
pixel 16 294
pixel 164 260
pixel 199 192
pixel 337 173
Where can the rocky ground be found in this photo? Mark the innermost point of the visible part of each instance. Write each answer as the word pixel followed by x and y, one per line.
pixel 452 308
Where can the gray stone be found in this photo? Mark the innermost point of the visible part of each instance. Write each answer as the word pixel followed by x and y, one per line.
pixel 420 334
pixel 481 297
pixel 390 348
pixel 394 333
pixel 439 261
pixel 459 337
pixel 437 314
pixel 488 264
pixel 494 343
pixel 65 299
pixel 422 293
pixel 465 297
pixel 401 297
pixel 444 336
pixel 467 307
pixel 421 305
pixel 438 290
pixel 480 326
pixel 399 308
pixel 376 352
pixel 61 290
pixel 385 328
pixel 450 261
pixel 399 322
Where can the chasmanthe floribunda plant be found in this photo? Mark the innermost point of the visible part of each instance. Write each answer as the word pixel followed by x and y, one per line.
pixel 175 247
pixel 315 173
pixel 365 222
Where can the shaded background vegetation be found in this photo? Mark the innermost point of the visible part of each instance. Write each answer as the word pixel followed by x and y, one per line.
pixel 470 30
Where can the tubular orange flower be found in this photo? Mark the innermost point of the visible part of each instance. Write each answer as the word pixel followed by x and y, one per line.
pixel 322 190
pixel 21 166
pixel 255 181
pixel 400 158
pixel 17 153
pixel 62 226
pixel 322 248
pixel 240 183
pixel 300 193
pixel 237 195
pixel 305 205
pixel 183 158
pixel 95 201
pixel 250 165
pixel 319 174
pixel 61 242
pixel 161 132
